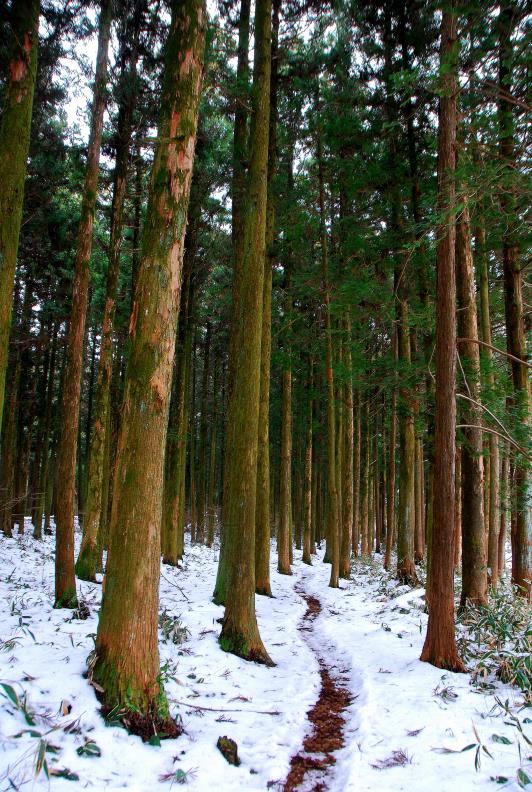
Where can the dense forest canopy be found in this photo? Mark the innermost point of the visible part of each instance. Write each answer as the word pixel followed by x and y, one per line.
pixel 263 276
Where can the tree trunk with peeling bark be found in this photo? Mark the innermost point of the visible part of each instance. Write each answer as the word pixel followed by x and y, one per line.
pixel 127 664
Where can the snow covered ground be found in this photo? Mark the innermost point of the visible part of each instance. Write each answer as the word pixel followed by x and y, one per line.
pixel 406 729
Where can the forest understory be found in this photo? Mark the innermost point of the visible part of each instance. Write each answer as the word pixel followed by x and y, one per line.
pixel 265 395
pixel 408 726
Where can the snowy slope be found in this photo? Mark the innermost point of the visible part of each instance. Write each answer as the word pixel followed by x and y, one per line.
pixel 370 637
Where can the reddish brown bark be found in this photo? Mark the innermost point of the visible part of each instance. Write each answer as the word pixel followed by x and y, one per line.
pixel 440 644
pixel 65 583
pixel 127 665
pixel 474 561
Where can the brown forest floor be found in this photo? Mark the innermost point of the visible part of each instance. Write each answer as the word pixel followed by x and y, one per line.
pixel 327 719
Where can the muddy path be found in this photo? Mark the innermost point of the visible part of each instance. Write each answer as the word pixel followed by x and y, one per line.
pixel 311 767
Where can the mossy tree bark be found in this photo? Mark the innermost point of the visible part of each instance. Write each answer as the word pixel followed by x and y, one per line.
pixel 263 517
pixel 474 561
pixel 65 582
pixel 240 633
pixel 90 554
pixel 439 648
pixel 127 665
pixel 15 128
pixel 238 191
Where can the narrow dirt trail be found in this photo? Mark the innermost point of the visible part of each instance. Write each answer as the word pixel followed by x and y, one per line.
pixel 311 767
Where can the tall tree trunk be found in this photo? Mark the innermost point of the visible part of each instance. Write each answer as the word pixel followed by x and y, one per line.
pixel 175 457
pixel 513 301
pixel 377 494
pixel 44 458
pixel 493 445
pixel 15 128
pixel 127 665
pixel 419 539
pixel 192 444
pixel 505 469
pixel 65 582
pixel 333 538
pixel 406 568
pixel 240 633
pixel 355 538
pixel 238 195
pixel 203 427
pixel 474 577
pixel 364 483
pixel 262 520
pixel 390 500
pixel 240 152
pixel 9 450
pixel 182 423
pixel 457 505
pixel 347 462
pixel 440 643
pixel 12 427
pixel 90 554
pixel 44 342
pixel 262 517
pixel 211 485
pixel 307 476
pixel 285 474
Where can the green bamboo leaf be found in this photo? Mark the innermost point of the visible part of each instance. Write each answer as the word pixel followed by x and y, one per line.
pixel 11 694
pixel 90 748
pixel 499 738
